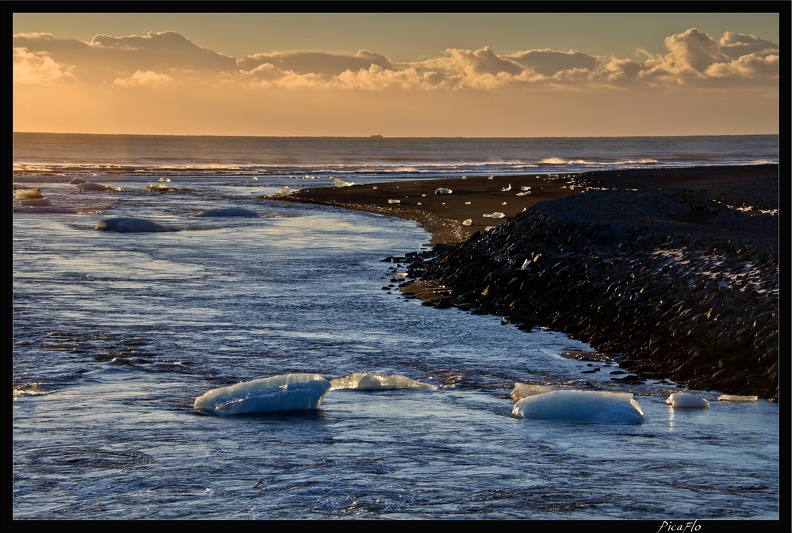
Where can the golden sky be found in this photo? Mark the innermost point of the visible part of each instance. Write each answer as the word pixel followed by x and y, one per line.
pixel 400 74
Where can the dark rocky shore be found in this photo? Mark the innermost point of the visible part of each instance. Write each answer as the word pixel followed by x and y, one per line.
pixel 674 272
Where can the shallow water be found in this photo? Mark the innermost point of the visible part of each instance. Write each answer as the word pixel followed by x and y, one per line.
pixel 115 335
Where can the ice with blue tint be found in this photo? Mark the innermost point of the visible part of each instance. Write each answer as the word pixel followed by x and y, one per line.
pixel 130 225
pixel 581 406
pixel 287 392
pixel 370 381
pixel 685 399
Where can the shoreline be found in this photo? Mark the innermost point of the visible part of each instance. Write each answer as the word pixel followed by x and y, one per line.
pixel 674 272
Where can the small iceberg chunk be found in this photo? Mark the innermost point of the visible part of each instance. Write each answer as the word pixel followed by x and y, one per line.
pixel 467 222
pixel 736 398
pixel 392 201
pixel 371 381
pixel 285 191
pixel 93 186
pixel 287 392
pixel 685 399
pixel 34 202
pixel 443 190
pixel 28 194
pixel 129 225
pixel 160 187
pixel 506 188
pixel 338 182
pixel 581 406
pixel 226 212
pixel 496 214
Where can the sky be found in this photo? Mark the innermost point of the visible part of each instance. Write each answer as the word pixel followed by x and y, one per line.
pixel 397 74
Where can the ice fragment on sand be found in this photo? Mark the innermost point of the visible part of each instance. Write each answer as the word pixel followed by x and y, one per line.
pixel 287 392
pixel 467 222
pixel 443 190
pixel 341 183
pixel 394 201
pixel 496 214
pixel 581 406
pixel 285 191
pixel 685 399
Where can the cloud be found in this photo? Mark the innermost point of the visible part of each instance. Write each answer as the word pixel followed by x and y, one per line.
pixel 694 58
pixel 315 62
pixel 108 58
pixel 31 67
pixel 550 62
pixel 141 79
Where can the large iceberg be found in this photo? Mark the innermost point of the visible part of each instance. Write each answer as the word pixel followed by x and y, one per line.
pixel 581 406
pixel 370 381
pixel 286 392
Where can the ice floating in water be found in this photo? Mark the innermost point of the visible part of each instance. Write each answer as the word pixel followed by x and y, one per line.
pixel 443 190
pixel 287 392
pixel 736 398
pixel 341 183
pixel 226 212
pixel 160 187
pixel 685 399
pixel 129 225
pixel 92 186
pixel 581 406
pixel 370 381
pixel 523 390
pixel 34 202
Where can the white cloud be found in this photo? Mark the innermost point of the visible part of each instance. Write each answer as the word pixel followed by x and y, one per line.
pixel 141 78
pixel 39 68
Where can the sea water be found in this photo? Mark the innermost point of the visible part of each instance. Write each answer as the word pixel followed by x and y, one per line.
pixel 116 334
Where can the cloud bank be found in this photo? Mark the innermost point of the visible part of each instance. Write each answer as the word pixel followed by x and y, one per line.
pixel 692 59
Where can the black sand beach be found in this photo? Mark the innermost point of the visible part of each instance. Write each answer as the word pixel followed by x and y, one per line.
pixel 673 272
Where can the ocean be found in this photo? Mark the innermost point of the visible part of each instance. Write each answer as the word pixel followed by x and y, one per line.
pixel 116 334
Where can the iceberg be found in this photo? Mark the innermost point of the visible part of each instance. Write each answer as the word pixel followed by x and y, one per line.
pixel 92 186
pixel 338 182
pixel 129 225
pixel 737 398
pixel 287 392
pixel 371 381
pixel 685 399
pixel 581 406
